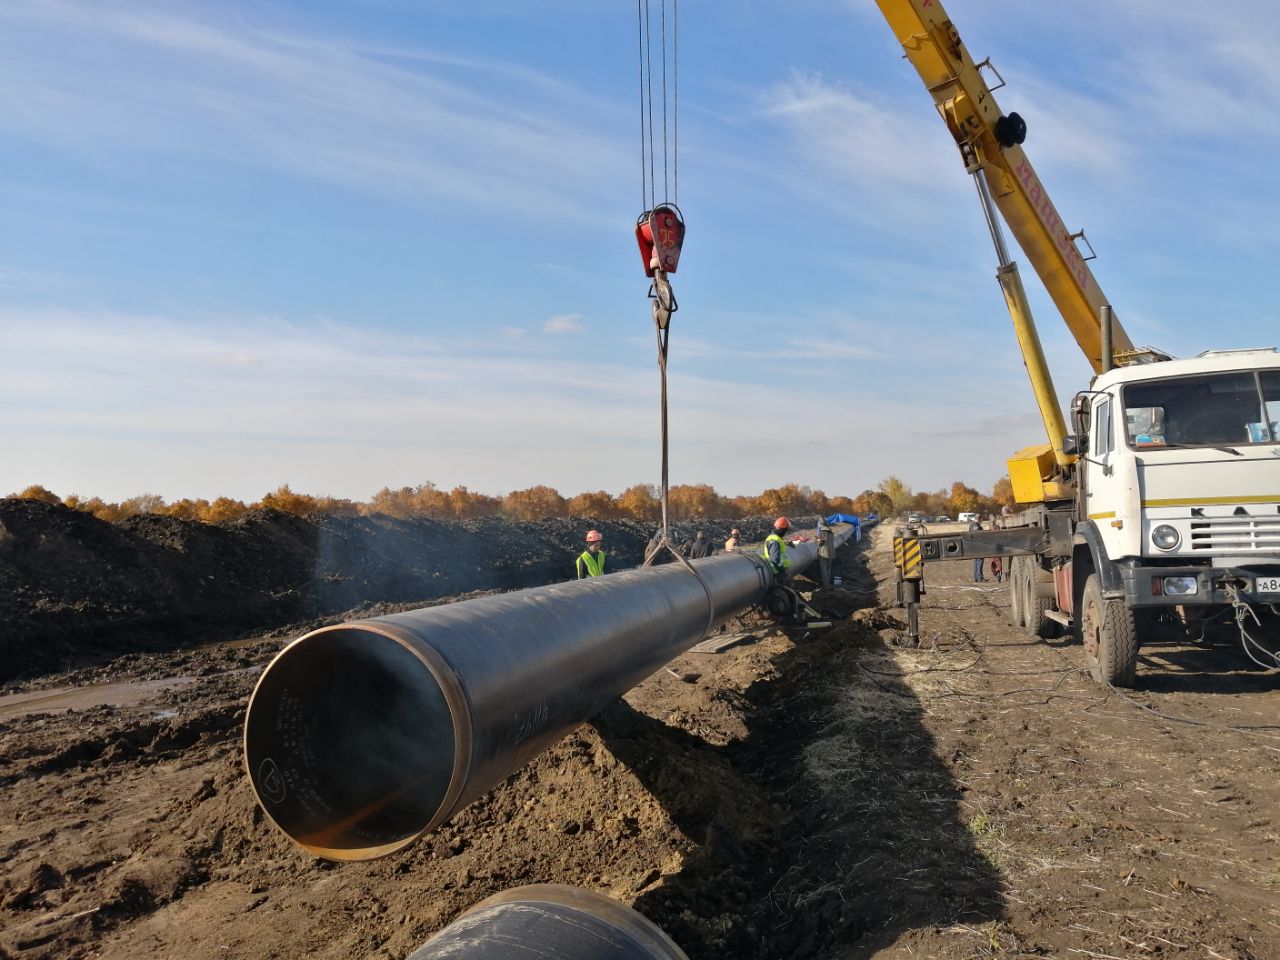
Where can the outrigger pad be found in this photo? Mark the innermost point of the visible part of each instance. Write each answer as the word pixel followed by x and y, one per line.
pixel 660 235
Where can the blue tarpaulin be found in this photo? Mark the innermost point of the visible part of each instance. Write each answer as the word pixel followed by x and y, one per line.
pixel 842 518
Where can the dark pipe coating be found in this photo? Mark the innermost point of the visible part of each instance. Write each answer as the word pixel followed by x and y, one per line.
pixel 361 737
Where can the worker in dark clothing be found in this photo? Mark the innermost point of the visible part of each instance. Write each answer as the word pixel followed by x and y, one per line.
pixel 591 560
pixel 775 551
pixel 700 547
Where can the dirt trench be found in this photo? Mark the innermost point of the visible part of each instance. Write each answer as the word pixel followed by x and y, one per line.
pixel 827 795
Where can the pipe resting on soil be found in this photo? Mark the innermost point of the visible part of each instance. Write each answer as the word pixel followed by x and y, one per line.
pixel 361 737
pixel 552 921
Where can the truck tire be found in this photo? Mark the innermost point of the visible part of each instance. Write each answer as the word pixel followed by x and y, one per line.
pixel 1015 593
pixel 1031 605
pixel 1110 636
pixel 1038 607
pixel 1026 580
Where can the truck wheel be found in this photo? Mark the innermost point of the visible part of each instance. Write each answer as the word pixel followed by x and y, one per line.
pixel 1025 585
pixel 1038 607
pixel 1032 606
pixel 1015 593
pixel 1110 636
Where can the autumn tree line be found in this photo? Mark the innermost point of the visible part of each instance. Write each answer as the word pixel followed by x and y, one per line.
pixel 891 497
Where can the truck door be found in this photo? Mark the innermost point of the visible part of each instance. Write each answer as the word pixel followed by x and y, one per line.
pixel 1104 489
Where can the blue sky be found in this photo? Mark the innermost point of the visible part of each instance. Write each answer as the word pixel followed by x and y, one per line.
pixel 351 245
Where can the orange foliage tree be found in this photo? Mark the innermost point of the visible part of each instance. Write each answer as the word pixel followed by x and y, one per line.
pixel 785 501
pixel 337 507
pixel 1002 492
pixel 535 503
pixel 689 501
pixel 286 501
pixel 37 492
pixel 224 508
pixel 393 503
pixel 188 509
pixel 963 499
pixel 465 505
pixel 595 503
pixel 873 501
pixel 640 502
pixel 430 501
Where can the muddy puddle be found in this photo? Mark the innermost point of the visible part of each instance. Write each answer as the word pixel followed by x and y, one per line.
pixel 61 699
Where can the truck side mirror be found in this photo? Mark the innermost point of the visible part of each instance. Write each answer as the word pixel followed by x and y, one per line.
pixel 1075 444
pixel 1081 407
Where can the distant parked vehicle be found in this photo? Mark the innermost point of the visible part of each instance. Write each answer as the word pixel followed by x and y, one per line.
pixel 967 517
pixel 942 519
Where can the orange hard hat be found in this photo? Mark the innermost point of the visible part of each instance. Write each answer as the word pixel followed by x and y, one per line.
pixel 594 536
pixel 782 523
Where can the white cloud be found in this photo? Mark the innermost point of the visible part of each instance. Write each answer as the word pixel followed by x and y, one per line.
pixel 895 158
pixel 113 404
pixel 564 323
pixel 414 124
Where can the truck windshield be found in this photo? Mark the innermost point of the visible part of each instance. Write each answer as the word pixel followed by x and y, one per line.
pixel 1210 410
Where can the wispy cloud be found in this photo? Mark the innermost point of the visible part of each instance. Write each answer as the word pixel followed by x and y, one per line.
pixel 891 157
pixel 411 123
pixel 114 404
pixel 564 323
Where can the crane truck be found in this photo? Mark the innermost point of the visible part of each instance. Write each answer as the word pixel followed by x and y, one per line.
pixel 1157 508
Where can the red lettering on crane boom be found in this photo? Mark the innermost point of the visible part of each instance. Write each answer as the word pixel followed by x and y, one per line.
pixel 1050 220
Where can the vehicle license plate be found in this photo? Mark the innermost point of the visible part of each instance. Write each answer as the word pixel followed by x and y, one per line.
pixel 1267 585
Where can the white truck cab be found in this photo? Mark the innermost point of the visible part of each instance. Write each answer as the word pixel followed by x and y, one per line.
pixel 1181 477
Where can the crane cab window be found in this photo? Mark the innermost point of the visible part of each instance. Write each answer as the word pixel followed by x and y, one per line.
pixel 1209 410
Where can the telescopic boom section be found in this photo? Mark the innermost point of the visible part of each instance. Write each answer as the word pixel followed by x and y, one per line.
pixel 989 141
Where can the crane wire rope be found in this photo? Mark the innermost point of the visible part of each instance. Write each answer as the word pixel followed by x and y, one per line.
pixel 666 189
pixel 660 293
pixel 669 69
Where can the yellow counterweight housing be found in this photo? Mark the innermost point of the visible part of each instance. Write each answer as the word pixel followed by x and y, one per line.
pixel 1032 473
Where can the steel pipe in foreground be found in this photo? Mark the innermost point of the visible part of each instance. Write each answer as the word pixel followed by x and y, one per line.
pixel 550 922
pixel 360 737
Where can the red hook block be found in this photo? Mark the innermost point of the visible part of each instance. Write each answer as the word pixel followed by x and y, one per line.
pixel 660 234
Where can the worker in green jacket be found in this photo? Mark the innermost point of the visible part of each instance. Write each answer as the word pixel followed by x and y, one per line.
pixel 591 560
pixel 775 550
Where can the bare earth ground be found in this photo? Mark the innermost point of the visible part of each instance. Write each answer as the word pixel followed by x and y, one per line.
pixel 829 796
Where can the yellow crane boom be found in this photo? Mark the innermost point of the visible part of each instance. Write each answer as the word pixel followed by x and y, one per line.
pixel 985 137
pixel 989 143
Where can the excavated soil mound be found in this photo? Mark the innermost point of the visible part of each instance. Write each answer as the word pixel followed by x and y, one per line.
pixel 75 589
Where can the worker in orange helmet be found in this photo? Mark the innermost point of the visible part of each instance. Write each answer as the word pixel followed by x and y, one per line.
pixel 591 561
pixel 775 550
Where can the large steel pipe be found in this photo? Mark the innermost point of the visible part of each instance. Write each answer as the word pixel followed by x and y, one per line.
pixel 360 737
pixel 550 922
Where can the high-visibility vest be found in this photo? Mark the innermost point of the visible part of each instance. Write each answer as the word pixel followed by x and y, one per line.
pixel 783 557
pixel 593 562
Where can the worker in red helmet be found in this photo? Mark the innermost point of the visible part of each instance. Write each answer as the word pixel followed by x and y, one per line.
pixel 591 560
pixel 731 545
pixel 775 550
